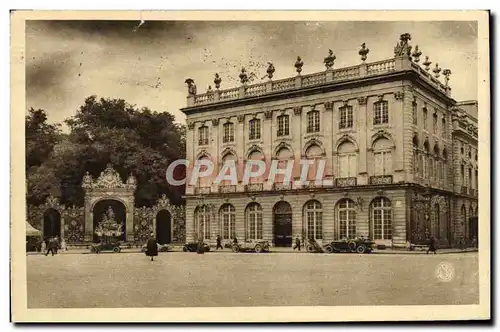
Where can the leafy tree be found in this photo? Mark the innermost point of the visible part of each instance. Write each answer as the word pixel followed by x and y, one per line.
pixel 135 141
pixel 41 137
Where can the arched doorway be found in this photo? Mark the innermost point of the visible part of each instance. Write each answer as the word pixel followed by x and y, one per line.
pixel 163 227
pixel 51 223
pixel 282 216
pixel 114 212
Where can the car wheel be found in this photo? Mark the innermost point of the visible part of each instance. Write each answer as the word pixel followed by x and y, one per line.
pixel 236 248
pixel 258 248
pixel 184 249
pixel 92 249
pixel 352 246
pixel 329 249
pixel 310 248
pixel 361 249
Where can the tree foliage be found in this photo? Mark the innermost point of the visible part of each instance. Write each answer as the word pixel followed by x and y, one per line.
pixel 110 131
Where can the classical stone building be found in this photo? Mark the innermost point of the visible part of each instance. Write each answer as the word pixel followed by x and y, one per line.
pixel 400 154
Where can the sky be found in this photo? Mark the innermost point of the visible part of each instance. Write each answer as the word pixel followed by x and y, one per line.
pixel 146 65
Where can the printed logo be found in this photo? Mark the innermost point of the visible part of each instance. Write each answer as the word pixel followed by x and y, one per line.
pixel 445 271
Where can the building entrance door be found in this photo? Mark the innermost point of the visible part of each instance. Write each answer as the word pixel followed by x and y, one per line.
pixel 282 225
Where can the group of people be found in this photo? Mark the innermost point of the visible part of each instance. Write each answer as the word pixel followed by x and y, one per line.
pixel 52 245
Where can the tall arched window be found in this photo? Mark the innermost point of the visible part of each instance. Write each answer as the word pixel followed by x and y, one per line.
pixel 381 219
pixel 314 153
pixel 347 219
pixel 204 181
pixel 471 211
pixel 255 155
pixel 313 121
pixel 254 227
pixel 202 217
pixel 445 166
pixel 228 160
pixel 382 157
pixel 347 160
pixel 283 156
pixel 228 222
pixel 426 160
pixel 416 168
pixel 313 213
pixel 437 163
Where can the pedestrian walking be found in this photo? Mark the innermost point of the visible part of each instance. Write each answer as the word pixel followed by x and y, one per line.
pixel 63 245
pixel 152 247
pixel 297 244
pixel 51 247
pixel 43 247
pixel 432 246
pixel 219 243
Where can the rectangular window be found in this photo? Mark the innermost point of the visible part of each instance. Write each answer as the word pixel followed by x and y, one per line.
pixel 470 178
pixel 381 112
pixel 462 174
pixel 425 118
pixel 254 132
pixel 283 125
pixel 203 135
pixel 313 121
pixel 415 113
pixel 434 123
pixel 443 127
pixel 346 117
pixel 228 133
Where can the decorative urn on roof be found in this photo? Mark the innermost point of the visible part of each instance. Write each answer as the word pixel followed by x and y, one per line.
pixel 329 61
pixel 298 65
pixel 363 52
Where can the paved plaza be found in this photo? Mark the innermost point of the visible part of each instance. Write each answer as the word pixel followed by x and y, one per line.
pixel 177 279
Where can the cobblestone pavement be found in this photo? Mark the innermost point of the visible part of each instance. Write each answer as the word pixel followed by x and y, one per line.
pixel 177 279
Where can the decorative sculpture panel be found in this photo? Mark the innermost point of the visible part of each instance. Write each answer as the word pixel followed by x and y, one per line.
pixel 74 224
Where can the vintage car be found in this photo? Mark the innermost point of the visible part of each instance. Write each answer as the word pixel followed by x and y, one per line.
pixel 251 245
pixel 113 246
pixel 359 245
pixel 161 247
pixel 193 247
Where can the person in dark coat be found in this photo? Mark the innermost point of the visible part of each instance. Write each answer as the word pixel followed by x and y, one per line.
pixel 51 246
pixel 219 243
pixel 432 245
pixel 152 247
pixel 297 244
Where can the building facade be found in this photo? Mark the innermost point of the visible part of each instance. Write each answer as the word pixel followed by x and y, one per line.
pixel 398 152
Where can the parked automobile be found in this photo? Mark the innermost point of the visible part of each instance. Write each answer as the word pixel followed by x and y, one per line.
pixel 113 246
pixel 161 247
pixel 313 246
pixel 251 245
pixel 193 247
pixel 359 245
